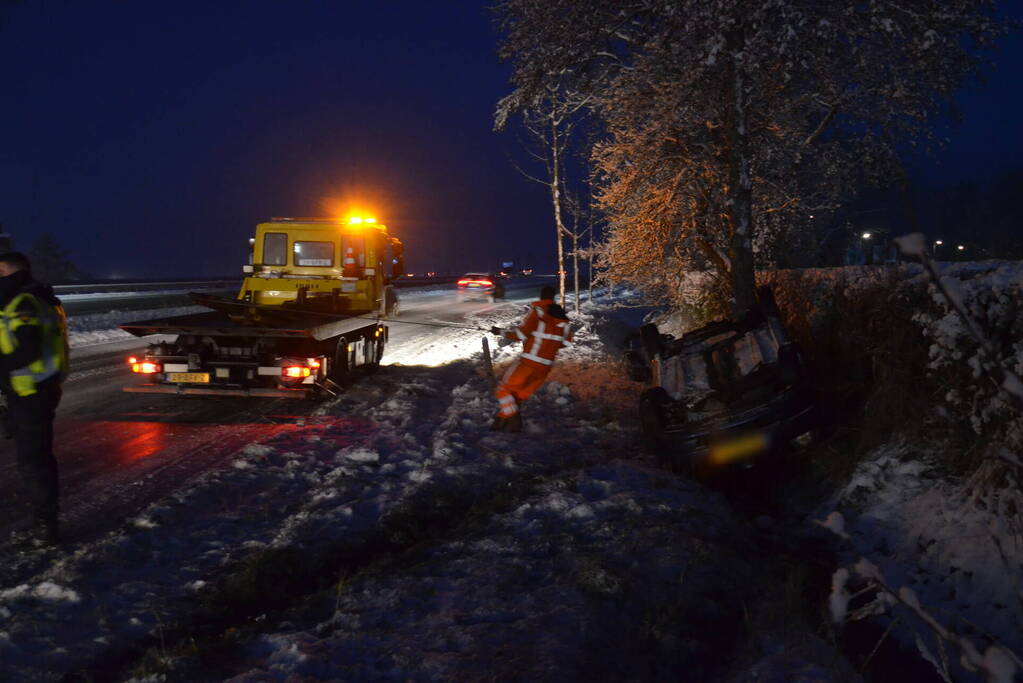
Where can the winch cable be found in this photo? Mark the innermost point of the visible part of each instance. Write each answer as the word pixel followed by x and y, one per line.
pixel 197 298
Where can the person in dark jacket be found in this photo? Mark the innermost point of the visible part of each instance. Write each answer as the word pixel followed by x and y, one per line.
pixel 33 364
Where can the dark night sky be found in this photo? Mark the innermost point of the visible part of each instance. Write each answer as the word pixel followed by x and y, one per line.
pixel 150 137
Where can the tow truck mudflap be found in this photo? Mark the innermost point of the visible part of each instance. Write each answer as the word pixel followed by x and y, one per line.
pixel 259 392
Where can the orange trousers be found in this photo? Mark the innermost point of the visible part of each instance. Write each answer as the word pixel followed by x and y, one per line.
pixel 520 381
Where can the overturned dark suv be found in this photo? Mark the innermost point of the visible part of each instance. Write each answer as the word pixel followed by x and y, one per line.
pixel 723 395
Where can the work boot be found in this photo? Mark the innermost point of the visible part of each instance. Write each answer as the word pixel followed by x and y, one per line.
pixel 45 533
pixel 513 423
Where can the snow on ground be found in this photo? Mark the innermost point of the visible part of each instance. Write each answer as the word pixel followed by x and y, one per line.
pixel 414 544
pixel 392 536
pixel 927 534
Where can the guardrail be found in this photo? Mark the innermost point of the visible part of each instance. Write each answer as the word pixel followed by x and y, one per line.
pixel 101 287
pixel 184 285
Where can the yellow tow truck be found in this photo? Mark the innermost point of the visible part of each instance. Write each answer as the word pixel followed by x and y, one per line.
pixel 310 310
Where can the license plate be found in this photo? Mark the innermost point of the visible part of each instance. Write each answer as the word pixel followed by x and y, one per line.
pixel 733 450
pixel 189 377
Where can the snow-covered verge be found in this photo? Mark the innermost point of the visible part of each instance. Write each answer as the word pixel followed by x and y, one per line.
pixel 393 536
pixel 100 328
pixel 933 502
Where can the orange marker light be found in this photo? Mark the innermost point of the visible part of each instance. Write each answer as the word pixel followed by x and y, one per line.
pixel 296 371
pixel 145 367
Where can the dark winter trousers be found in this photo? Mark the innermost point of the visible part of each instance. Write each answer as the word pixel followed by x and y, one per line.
pixel 31 420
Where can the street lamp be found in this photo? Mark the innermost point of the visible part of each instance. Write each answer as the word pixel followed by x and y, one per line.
pixel 866 235
pixel 960 247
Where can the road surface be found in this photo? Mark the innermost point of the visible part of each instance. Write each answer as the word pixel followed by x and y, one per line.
pixel 118 452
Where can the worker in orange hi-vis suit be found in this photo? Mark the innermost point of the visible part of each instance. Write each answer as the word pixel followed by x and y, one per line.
pixel 543 333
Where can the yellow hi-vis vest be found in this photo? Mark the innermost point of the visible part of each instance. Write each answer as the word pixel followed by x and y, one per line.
pixel 53 327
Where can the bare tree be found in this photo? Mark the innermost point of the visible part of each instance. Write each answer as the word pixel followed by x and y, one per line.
pixel 551 122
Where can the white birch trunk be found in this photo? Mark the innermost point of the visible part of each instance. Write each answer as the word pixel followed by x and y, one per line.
pixel 559 225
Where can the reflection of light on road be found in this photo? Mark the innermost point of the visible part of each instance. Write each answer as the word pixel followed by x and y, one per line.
pixel 129 441
pixel 451 345
pixel 121 442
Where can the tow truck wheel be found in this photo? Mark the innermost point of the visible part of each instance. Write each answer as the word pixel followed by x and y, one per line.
pixel 653 417
pixel 377 354
pixel 390 302
pixel 374 352
pixel 339 366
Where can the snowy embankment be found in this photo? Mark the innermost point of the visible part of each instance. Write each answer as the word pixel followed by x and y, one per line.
pixel 393 536
pixel 931 518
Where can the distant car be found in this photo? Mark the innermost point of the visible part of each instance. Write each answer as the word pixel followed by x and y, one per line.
pixel 485 286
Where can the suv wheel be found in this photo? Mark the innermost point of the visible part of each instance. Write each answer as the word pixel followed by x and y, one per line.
pixel 653 418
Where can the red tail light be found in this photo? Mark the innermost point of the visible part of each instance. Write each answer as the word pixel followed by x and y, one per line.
pixel 145 367
pixel 463 282
pixel 486 282
pixel 296 371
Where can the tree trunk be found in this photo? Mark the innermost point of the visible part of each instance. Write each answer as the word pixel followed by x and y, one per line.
pixel 575 266
pixel 740 252
pixel 559 225
pixel 589 270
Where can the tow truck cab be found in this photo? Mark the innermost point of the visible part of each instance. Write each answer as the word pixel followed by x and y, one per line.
pixel 295 259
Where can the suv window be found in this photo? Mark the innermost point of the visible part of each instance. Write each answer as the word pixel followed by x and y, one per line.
pixel 275 249
pixel 314 253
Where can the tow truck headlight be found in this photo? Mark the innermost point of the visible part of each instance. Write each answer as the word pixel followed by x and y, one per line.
pixel 296 371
